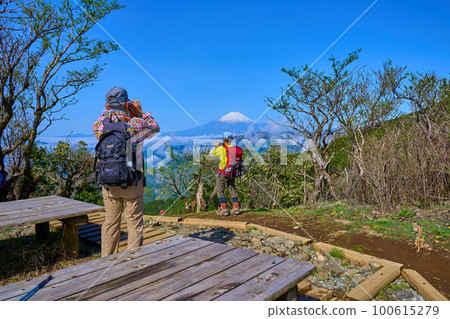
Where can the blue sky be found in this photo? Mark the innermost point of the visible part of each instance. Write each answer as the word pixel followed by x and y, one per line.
pixel 215 57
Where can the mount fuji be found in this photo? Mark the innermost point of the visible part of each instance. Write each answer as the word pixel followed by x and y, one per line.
pixel 235 122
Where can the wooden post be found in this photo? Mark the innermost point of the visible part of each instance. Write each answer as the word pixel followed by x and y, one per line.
pixel 70 235
pixel 290 295
pixel 42 231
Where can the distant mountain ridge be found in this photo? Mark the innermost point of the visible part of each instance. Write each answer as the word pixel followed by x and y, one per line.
pixel 234 122
pixel 237 123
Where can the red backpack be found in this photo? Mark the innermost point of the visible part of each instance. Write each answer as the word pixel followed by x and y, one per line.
pixel 234 167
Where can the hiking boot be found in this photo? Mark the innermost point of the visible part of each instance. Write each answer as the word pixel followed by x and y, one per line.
pixel 223 212
pixel 235 211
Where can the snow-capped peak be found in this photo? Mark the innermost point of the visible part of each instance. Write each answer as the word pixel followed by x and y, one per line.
pixel 234 117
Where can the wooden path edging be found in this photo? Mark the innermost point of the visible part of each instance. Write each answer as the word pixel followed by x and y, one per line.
pixel 369 288
pixel 215 223
pixel 164 219
pixel 422 286
pixel 280 233
pixel 354 255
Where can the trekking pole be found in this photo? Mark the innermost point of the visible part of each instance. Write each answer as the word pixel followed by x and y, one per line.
pixel 35 289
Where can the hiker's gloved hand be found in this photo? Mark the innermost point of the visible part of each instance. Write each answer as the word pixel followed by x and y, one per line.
pixel 134 108
pixel 216 144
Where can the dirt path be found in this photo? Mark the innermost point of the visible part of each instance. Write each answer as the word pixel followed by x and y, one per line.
pixel 433 265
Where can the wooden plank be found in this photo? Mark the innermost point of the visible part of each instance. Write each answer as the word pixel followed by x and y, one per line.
pixel 158 237
pixel 96 235
pixel 320 293
pixel 164 219
pixel 20 288
pixel 61 214
pixel 303 287
pixel 124 244
pixel 215 223
pixel 48 208
pixel 355 256
pixel 93 270
pixel 165 276
pixel 271 284
pixel 422 286
pixel 370 287
pixel 42 231
pixel 10 207
pixel 279 233
pixel 81 284
pixel 206 266
pixel 90 229
pixel 149 234
pixel 222 282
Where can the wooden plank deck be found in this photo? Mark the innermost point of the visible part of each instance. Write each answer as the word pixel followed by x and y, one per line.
pixel 175 268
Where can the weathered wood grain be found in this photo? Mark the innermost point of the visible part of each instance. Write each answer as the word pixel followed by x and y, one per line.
pixel 229 279
pixel 206 266
pixel 139 283
pixel 8 207
pixel 82 283
pixel 20 288
pixel 43 209
pixel 272 283
pixel 28 220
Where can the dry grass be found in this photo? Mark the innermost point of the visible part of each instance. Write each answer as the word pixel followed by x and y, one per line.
pixel 24 257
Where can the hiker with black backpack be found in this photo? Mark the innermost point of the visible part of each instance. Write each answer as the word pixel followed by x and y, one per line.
pixel 120 131
pixel 230 167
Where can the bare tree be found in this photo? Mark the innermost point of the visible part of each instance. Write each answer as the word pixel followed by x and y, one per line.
pixel 311 105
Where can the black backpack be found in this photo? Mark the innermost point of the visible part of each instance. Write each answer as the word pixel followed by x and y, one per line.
pixel 115 156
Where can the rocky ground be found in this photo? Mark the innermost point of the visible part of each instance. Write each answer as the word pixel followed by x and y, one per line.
pixel 338 274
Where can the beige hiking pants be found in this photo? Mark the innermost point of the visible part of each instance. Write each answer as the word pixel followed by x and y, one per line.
pixel 130 200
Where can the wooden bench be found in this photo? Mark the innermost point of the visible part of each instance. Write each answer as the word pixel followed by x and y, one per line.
pixel 175 268
pixel 40 211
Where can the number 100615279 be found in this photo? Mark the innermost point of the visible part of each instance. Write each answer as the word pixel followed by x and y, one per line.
pixel 406 310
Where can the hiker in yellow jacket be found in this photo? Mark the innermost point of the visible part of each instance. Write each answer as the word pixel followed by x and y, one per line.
pixel 222 181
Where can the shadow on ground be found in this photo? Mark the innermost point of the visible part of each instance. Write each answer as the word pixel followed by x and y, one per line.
pixel 219 235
